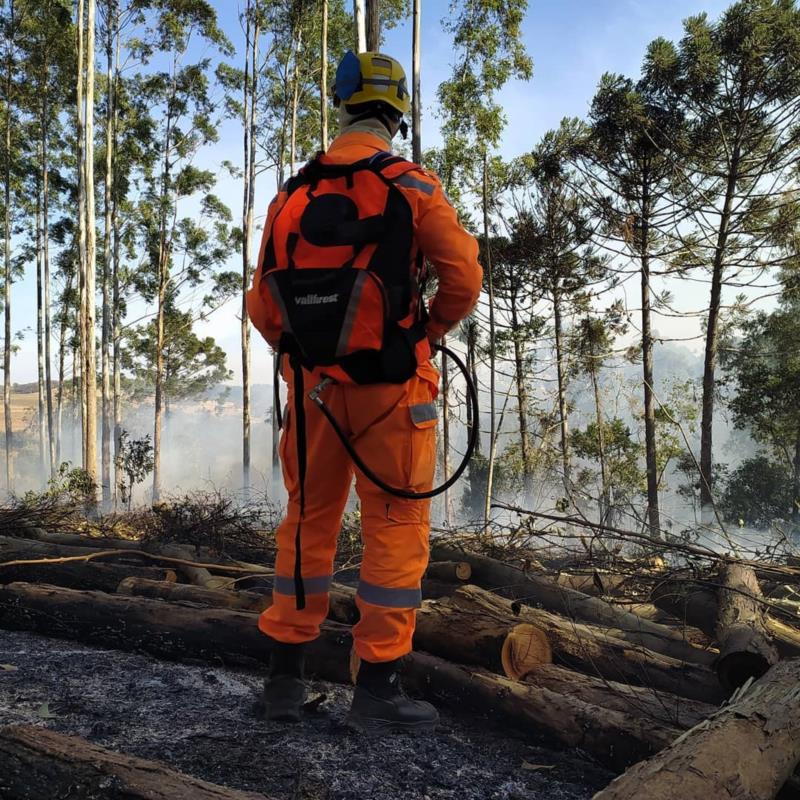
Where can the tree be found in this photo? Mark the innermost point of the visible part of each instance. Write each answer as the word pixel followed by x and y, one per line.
pixel 488 53
pixel 634 153
pixel 738 81
pixel 765 371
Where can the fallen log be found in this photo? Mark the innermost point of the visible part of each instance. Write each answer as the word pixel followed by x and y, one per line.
pixel 82 540
pixel 592 650
pixel 184 631
pixel 36 763
pixel 449 571
pixel 533 589
pixel 697 604
pixel 103 577
pixel 614 737
pixel 342 598
pixel 595 582
pixel 748 749
pixel 745 646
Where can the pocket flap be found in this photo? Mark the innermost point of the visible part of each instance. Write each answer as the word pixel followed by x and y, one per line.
pixel 423 415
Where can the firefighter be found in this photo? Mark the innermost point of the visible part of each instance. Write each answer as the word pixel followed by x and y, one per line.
pixel 355 210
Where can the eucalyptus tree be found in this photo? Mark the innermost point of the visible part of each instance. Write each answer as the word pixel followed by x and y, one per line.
pixel 488 52
pixel 183 110
pixel 738 81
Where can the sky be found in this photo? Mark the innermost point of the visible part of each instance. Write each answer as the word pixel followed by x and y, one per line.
pixel 572 43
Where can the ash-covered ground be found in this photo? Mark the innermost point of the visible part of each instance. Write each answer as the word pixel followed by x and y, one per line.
pixel 203 721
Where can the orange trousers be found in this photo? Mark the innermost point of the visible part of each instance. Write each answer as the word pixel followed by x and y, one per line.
pixel 393 428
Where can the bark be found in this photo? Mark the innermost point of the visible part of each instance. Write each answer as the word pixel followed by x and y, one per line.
pixel 62 353
pixel 598 651
pixel 359 18
pixel 36 762
pixel 605 503
pixel 697 605
pixel 88 575
pixel 40 323
pixel 531 589
pixel 562 392
pixel 373 25
pixel 48 374
pixel 522 394
pixel 89 357
pixel 187 631
pixel 647 370
pixel 795 513
pixel 250 91
pixel 80 141
pixel 712 331
pixel 416 93
pixel 445 395
pixel 107 249
pixel 116 295
pixel 748 749
pixel 745 647
pixel 323 80
pixel 295 97
pixel 9 435
pixel 493 433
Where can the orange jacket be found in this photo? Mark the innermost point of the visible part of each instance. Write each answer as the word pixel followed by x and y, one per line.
pixel 437 232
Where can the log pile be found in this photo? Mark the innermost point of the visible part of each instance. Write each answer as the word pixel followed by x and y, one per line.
pixel 567 655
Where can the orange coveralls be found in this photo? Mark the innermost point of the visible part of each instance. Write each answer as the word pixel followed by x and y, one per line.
pixel 393 427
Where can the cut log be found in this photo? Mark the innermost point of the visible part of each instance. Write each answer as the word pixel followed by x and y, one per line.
pixel 613 737
pixel 533 589
pixel 697 604
pixel 443 624
pixel 748 749
pixel 595 582
pixel 449 571
pixel 184 631
pixel 342 598
pixel 83 540
pixel 745 646
pixel 36 763
pixel 104 577
pixel 433 590
pixel 645 703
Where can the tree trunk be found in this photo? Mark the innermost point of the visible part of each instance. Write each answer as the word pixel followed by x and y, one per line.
pixel 532 589
pixel 373 25
pixel 116 293
pixel 698 606
pixel 748 749
pixel 446 497
pixel 449 571
pixel 62 353
pixel 651 459
pixel 250 90
pixel 45 126
pixel 605 503
pixel 323 80
pixel 9 438
pixel 745 647
pixel 90 369
pixel 359 18
pixel 712 333
pixel 795 512
pixel 86 575
pixel 522 394
pixel 40 323
pixel 493 433
pixel 36 762
pixel 107 248
pixel 599 651
pixel 416 93
pixel 295 98
pixel 562 393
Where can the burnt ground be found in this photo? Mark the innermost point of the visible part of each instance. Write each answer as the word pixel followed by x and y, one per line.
pixel 203 721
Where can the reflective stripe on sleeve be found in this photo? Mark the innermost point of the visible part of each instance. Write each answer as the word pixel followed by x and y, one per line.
pixel 389 598
pixel 318 585
pixel 410 182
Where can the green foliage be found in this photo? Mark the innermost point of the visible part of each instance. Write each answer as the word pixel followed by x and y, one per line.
pixel 70 486
pixel 134 461
pixel 758 492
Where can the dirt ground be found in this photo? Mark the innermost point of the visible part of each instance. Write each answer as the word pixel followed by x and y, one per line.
pixel 203 721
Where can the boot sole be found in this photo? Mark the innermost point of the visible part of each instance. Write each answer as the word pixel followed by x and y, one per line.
pixel 382 727
pixel 284 715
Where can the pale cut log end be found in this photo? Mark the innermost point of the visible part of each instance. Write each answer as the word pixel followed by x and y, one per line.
pixel 525 648
pixel 463 571
pixel 170 576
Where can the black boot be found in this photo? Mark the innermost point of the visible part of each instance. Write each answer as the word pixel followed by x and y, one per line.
pixel 284 687
pixel 381 706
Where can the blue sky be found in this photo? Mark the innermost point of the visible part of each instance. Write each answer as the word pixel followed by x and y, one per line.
pixel 572 42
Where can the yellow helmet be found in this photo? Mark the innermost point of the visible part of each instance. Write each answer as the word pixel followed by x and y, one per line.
pixel 371 78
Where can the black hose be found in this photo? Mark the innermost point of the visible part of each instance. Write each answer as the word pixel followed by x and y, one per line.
pixel 472 396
